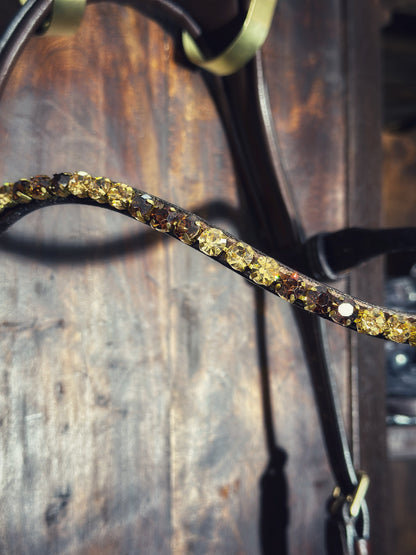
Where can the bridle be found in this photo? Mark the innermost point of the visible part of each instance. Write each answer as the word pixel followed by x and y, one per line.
pixel 263 178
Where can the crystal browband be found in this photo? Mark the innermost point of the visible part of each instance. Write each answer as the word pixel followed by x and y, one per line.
pixel 255 266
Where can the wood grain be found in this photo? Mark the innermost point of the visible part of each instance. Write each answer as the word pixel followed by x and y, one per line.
pixel 132 410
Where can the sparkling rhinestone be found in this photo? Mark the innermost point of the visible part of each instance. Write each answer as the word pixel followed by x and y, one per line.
pixel 264 270
pixel 79 183
pixel 21 191
pixel 120 196
pixel 344 314
pixel 141 206
pixel 370 321
pixel 39 186
pixel 397 329
pixel 159 216
pixel 186 228
pixel 412 336
pixel 212 242
pixel 99 188
pixel 59 185
pixel 317 299
pixel 291 287
pixel 239 256
pixel 6 196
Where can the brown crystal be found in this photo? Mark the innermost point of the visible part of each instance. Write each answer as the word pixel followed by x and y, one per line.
pixel 317 299
pixel 39 186
pixel 291 287
pixel 141 206
pixel 343 313
pixel 120 196
pixel 59 185
pixel 79 183
pixel 239 256
pixel 370 321
pixel 397 329
pixel 98 189
pixel 159 216
pixel 212 241
pixel 186 227
pixel 21 191
pixel 264 270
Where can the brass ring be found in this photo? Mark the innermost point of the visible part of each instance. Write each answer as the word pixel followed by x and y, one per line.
pixel 243 48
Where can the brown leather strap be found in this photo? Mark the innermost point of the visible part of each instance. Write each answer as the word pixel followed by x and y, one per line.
pixel 23 25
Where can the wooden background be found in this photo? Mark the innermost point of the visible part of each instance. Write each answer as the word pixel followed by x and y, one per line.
pixel 131 407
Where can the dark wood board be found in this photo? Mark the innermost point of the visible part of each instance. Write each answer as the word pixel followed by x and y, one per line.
pixel 131 409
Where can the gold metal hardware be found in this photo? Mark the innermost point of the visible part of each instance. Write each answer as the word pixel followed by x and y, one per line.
pixel 243 48
pixel 359 494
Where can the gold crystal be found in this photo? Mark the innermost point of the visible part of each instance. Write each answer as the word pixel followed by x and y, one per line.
pixel 79 183
pixel 120 196
pixel 212 242
pixel 264 270
pixel 397 329
pixel 371 321
pixel 412 336
pixel 99 188
pixel 6 195
pixel 239 256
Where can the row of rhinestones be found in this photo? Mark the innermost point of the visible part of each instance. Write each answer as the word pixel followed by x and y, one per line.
pixel 188 228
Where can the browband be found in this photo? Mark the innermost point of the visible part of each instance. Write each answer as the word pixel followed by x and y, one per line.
pixel 26 195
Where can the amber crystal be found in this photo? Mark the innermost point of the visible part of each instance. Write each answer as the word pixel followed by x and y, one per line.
pixel 159 216
pixel 98 189
pixel 397 329
pixel 264 270
pixel 21 191
pixel 239 256
pixel 291 287
pixel 141 206
pixel 120 196
pixel 343 313
pixel 6 196
pixel 185 227
pixel 370 321
pixel 79 183
pixel 39 186
pixel 318 299
pixel 59 185
pixel 212 241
